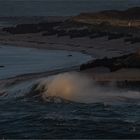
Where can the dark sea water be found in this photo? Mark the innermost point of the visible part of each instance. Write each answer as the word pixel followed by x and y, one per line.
pixel 18 61
pixel 38 108
pixel 60 7
pixel 32 118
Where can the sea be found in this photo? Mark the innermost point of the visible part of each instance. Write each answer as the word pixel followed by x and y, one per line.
pixel 60 7
pixel 67 105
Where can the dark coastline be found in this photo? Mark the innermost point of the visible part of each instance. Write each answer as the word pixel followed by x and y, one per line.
pixel 101 101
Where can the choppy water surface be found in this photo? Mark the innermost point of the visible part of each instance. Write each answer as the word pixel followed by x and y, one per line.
pixel 68 105
pixel 31 118
pixel 28 110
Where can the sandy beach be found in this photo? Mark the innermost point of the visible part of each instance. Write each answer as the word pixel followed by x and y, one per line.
pixel 98 48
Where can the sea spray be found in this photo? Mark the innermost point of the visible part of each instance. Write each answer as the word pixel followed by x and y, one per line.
pixel 78 87
pixel 70 87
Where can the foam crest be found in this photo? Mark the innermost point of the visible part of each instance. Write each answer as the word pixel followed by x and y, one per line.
pixel 67 87
pixel 80 88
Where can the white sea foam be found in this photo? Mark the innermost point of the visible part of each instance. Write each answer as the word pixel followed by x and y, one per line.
pixel 71 86
pixel 80 88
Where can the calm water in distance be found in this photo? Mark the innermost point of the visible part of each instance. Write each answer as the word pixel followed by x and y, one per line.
pixel 60 7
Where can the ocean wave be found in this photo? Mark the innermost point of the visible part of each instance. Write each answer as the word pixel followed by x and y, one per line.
pixel 79 88
pixel 71 87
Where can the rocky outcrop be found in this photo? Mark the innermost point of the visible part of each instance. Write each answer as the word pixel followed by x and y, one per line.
pixel 32 28
pixel 116 63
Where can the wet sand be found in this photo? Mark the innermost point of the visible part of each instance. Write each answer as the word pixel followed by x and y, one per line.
pixel 98 47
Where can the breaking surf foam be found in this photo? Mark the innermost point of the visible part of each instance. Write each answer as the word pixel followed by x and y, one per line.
pixel 74 86
pixel 80 88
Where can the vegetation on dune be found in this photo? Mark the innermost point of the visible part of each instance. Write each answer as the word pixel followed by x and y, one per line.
pixel 127 18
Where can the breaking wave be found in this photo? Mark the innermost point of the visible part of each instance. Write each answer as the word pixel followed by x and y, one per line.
pixel 72 87
pixel 80 88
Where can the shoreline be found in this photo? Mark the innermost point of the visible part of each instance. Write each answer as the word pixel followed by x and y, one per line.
pixel 32 76
pixel 98 48
pixel 93 47
pixel 102 77
pixel 70 57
